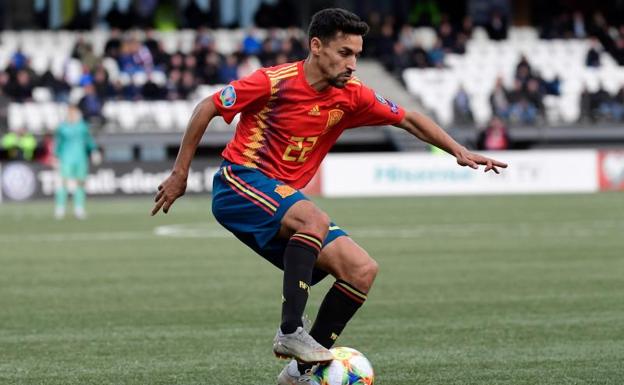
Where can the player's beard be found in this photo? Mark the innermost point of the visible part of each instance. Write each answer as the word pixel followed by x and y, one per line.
pixel 340 81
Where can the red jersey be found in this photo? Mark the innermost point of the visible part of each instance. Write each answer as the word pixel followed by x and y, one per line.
pixel 287 127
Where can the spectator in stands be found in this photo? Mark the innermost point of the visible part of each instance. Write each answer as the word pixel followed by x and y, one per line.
pixel 406 36
pixel 420 58
pixel 86 77
pixel 497 26
pixel 523 71
pixel 603 105
pixel 20 88
pixel 593 54
pixel 112 48
pixel 374 34
pixel 400 60
pixel 618 51
pixel 209 71
pixel 150 90
pixel 4 111
pixel 535 96
pixel 550 87
pixel 176 62
pixel 494 137
pixel 578 25
pixel 460 44
pixel 73 145
pixel 618 105
pixel 151 42
pixel 467 26
pixel 91 105
pixel 18 60
pixel 446 34
pixel 252 44
pixel 522 110
pixel 45 150
pixel 160 58
pixel 228 70
pixel 386 46
pixel 134 57
pixel 19 144
pixel 59 87
pixel 267 55
pixel 83 51
pixel 586 106
pixel 172 85
pixel 499 100
pixel 298 42
pixel 103 87
pixel 462 111
pixel 5 79
pixel 436 55
pixel 187 85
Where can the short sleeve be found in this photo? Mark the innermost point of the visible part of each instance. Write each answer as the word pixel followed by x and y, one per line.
pixel 245 94
pixel 375 110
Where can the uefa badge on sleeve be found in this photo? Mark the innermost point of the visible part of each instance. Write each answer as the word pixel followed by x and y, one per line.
pixel 228 96
pixel 380 98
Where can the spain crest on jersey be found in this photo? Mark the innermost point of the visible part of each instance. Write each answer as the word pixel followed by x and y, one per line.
pixel 333 118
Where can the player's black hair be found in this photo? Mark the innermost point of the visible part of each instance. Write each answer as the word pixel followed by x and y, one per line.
pixel 328 22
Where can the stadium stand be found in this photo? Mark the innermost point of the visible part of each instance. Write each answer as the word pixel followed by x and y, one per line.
pixel 145 81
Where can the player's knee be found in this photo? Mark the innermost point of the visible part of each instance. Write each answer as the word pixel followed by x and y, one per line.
pixel 317 223
pixel 363 276
pixel 369 272
pixel 323 224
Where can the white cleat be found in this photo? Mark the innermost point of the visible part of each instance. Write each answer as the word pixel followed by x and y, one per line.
pixel 290 375
pixel 80 213
pixel 300 346
pixel 59 213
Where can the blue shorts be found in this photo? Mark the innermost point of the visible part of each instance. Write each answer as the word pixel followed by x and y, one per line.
pixel 251 205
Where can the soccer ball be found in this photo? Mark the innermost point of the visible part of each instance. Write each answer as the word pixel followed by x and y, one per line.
pixel 349 367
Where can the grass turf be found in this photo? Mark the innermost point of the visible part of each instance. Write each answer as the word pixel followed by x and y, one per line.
pixel 472 290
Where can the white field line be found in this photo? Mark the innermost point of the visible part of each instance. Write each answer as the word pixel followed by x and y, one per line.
pixel 76 237
pixel 211 230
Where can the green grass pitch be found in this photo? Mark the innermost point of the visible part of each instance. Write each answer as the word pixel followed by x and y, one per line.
pixel 472 290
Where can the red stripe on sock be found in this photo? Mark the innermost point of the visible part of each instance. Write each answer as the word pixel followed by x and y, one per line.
pixel 349 294
pixel 307 242
pixel 311 235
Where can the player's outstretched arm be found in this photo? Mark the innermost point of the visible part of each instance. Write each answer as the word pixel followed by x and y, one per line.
pixel 428 131
pixel 175 185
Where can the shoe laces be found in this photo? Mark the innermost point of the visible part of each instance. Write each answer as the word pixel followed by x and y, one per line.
pixel 306 377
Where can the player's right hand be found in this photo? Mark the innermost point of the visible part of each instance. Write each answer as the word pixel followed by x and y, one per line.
pixel 168 191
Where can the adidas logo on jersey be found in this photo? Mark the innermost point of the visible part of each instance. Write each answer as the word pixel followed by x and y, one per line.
pixel 315 111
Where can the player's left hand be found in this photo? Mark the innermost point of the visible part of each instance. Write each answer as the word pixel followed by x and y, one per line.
pixel 470 159
pixel 168 191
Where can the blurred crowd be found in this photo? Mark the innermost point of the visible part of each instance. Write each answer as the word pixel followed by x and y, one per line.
pixel 146 71
pixel 576 25
pixel 164 75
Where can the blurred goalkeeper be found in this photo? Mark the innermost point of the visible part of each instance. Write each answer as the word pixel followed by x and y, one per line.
pixel 291 116
pixel 73 146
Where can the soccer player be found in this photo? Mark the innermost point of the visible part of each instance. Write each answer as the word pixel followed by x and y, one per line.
pixel 73 145
pixel 291 115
